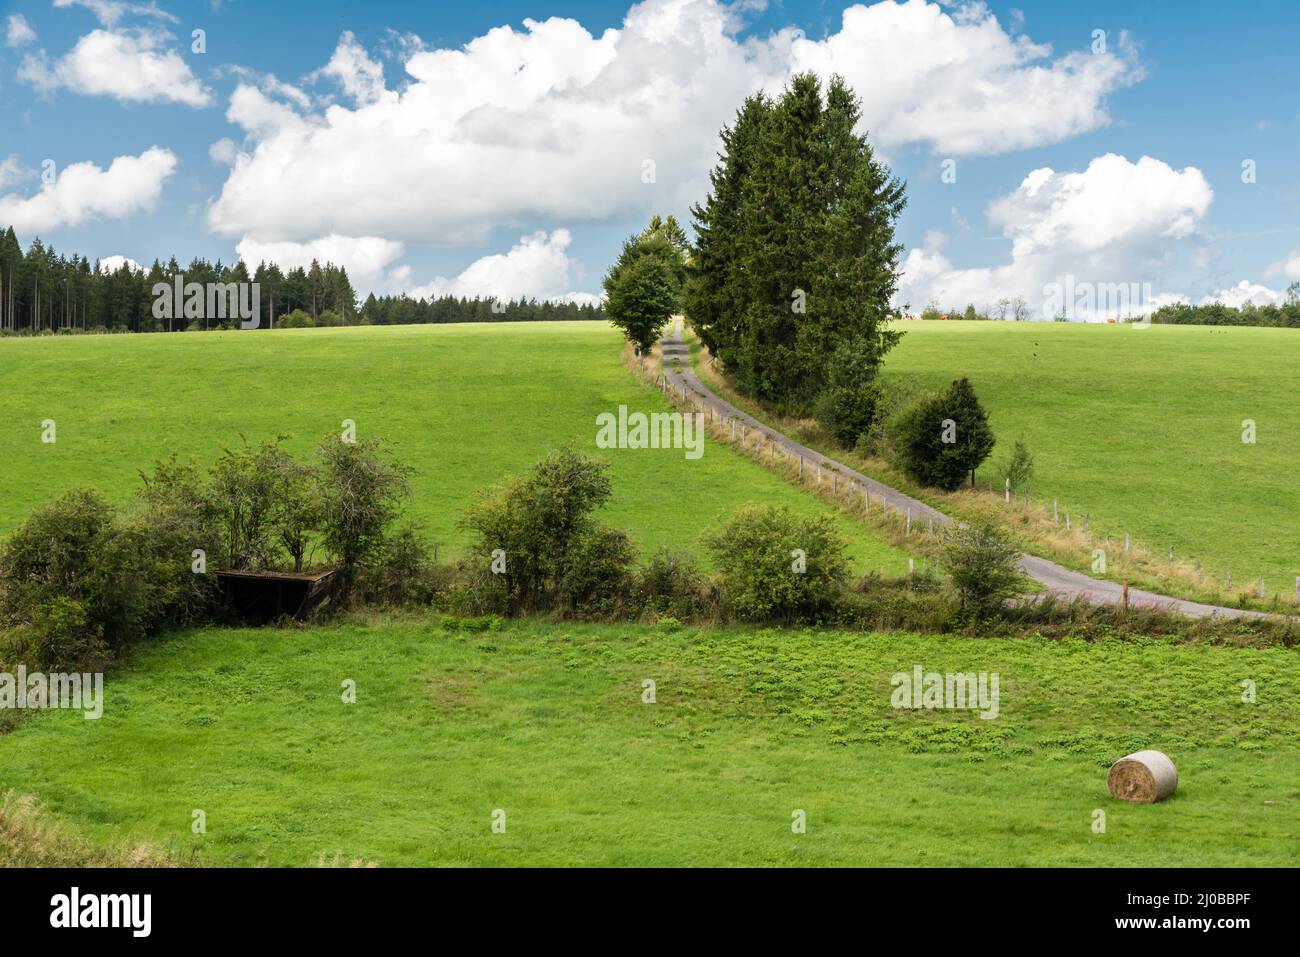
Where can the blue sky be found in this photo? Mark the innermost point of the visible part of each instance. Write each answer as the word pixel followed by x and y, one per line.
pixel 517 165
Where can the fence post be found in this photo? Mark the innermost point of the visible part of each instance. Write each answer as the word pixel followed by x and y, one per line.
pixel 1007 492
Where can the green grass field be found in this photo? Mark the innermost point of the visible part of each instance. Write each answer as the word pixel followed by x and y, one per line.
pixel 464 405
pixel 545 721
pixel 1142 428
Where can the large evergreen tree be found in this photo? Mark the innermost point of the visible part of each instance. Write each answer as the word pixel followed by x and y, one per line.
pixel 795 262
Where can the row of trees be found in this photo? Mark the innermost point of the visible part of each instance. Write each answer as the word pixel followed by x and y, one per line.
pixel 403 310
pixel 1287 315
pixel 45 290
pixel 795 263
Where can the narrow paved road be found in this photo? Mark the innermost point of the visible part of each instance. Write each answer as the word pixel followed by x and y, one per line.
pixel 1055 578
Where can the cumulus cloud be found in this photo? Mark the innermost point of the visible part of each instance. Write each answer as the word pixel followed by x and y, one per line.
pixel 1117 222
pixel 18 32
pixel 551 123
pixel 364 257
pixel 537 267
pixel 1244 292
pixel 83 191
pixel 361 78
pixel 114 263
pixel 129 65
pixel 1286 268
pixel 959 82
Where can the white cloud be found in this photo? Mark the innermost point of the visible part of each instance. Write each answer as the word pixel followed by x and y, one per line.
pixel 108 12
pixel 84 191
pixel 128 65
pixel 364 257
pixel 1115 222
pixel 12 171
pixel 959 82
pixel 114 263
pixel 1286 268
pixel 18 31
pixel 223 151
pixel 537 267
pixel 361 77
pixel 551 123
pixel 1244 292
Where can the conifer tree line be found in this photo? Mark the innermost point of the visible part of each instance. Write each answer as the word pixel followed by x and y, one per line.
pixel 45 291
pixel 795 262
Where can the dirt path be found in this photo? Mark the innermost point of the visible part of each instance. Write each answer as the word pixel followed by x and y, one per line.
pixel 1057 579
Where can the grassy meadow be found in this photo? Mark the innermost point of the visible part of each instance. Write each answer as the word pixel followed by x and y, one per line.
pixel 1141 428
pixel 546 722
pixel 464 405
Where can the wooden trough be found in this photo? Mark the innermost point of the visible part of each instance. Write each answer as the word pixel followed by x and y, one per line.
pixel 259 597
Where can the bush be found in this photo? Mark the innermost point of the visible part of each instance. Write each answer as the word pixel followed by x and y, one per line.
pixel 83 579
pixel 597 572
pixel 984 568
pixel 670 586
pixel 537 521
pixel 1018 467
pixel 361 491
pixel 943 438
pixel 762 574
pixel 402 574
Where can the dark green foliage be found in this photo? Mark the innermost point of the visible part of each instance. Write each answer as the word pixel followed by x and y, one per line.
pixel 943 438
pixel 402 573
pixel 86 580
pixel 1286 315
pixel 42 291
pixel 596 574
pixel 670 584
pixel 762 575
pixel 642 290
pixel 795 262
pixel 984 568
pixel 540 522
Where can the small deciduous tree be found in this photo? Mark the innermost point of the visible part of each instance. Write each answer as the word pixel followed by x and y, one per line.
pixel 641 289
pixel 361 491
pixel 983 566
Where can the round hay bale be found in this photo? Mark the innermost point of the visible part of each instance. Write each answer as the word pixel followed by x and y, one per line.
pixel 1143 777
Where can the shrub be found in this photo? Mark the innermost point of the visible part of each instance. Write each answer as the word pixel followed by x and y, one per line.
pixel 596 575
pixel 670 586
pixel 1018 467
pixel 536 521
pixel 242 493
pixel 763 576
pixel 82 579
pixel 360 495
pixel 943 438
pixel 402 574
pixel 984 568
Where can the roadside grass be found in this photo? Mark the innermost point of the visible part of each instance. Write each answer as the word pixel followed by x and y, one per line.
pixel 464 405
pixel 546 721
pixel 1162 461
